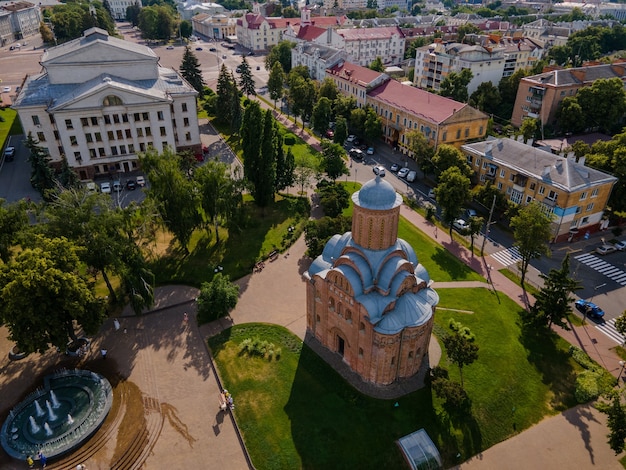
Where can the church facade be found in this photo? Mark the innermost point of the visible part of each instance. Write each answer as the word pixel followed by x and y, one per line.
pixel 368 297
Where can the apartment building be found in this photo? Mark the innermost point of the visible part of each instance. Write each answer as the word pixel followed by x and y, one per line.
pixel 100 114
pixel 218 26
pixel 18 20
pixel 317 58
pixel 364 45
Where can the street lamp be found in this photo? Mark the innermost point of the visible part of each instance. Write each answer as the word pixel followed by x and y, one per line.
pixel 621 363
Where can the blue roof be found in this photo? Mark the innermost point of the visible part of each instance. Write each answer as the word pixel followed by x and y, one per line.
pixel 377 194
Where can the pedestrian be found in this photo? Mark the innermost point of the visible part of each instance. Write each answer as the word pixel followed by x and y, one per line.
pixel 104 352
pixel 116 323
pixel 43 460
pixel 186 319
pixel 30 461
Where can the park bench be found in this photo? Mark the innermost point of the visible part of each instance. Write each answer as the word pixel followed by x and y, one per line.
pixel 273 255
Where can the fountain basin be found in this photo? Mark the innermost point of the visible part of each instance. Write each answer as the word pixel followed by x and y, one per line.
pixel 58 417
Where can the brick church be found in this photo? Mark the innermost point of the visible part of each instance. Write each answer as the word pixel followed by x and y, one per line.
pixel 368 298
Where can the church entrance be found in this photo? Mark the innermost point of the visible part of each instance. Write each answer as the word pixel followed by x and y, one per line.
pixel 340 345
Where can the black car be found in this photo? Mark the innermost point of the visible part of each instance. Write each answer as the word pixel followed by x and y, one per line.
pixel 212 49
pixel 131 184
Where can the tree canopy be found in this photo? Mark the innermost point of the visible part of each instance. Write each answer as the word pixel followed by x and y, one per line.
pixel 190 70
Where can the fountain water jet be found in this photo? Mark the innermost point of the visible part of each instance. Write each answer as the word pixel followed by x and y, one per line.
pixel 55 402
pixel 51 415
pixel 70 420
pixel 38 408
pixel 34 427
pixel 46 426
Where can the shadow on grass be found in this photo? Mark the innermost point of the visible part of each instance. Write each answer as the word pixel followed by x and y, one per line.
pixel 451 265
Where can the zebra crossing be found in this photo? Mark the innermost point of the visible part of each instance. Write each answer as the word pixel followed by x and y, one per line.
pixel 608 328
pixel 616 274
pixel 508 256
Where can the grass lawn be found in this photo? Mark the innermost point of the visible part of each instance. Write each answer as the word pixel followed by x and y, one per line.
pixel 297 412
pixel 237 252
pixel 9 124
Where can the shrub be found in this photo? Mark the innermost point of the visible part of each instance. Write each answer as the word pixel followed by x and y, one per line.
pixel 587 386
pixel 289 139
pixel 593 381
pixel 258 347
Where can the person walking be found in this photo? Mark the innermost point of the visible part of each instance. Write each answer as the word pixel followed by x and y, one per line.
pixel 185 319
pixel 43 460
pixel 103 352
pixel 116 323
pixel 30 461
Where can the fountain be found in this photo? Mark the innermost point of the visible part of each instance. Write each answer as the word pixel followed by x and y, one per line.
pixel 34 427
pixel 38 408
pixel 55 402
pixel 51 415
pixel 83 397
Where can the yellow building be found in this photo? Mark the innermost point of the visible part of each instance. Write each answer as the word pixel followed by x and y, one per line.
pixel 573 194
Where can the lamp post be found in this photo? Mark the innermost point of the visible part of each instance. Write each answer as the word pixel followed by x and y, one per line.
pixel 621 363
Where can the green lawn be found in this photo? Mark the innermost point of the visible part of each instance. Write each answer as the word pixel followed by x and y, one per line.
pixel 9 124
pixel 297 412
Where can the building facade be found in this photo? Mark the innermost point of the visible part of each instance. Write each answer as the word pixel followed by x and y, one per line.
pixel 100 114
pixel 539 96
pixel 369 299
pixel 364 45
pixel 18 20
pixel 214 26
pixel 317 58
pixel 118 8
pixel 574 195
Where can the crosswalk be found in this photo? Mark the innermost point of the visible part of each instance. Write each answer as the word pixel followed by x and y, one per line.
pixel 608 328
pixel 508 256
pixel 616 274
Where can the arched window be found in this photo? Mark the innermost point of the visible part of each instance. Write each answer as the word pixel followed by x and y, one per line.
pixel 112 100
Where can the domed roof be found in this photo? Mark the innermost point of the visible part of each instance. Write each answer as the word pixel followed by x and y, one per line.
pixel 377 194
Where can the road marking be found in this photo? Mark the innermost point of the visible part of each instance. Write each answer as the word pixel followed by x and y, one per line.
pixel 608 328
pixel 612 272
pixel 508 256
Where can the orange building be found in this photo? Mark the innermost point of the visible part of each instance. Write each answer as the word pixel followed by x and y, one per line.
pixel 369 299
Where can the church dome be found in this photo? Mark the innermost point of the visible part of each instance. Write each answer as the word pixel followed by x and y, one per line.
pixel 377 194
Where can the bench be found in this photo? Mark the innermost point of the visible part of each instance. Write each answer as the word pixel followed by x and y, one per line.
pixel 273 255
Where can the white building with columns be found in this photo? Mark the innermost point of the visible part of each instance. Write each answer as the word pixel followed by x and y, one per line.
pixel 101 100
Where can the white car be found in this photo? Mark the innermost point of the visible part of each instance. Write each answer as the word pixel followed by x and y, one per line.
pixel 379 170
pixel 105 188
pixel 91 187
pixel 6 89
pixel 605 249
pixel 403 172
pixel 621 246
pixel 460 225
pixel 141 181
pixel 351 138
pixel 431 193
pixel 412 176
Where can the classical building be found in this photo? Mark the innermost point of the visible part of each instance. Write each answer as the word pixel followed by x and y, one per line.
pixel 217 26
pixel 404 108
pixel 368 297
pixel 18 20
pixel 118 7
pixel 317 58
pixel 539 96
pixel 102 100
pixel 572 193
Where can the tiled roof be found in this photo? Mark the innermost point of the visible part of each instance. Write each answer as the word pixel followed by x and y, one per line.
pixel 555 170
pixel 354 73
pixel 419 102
pixel 580 75
pixel 255 21
pixel 310 32
pixel 353 34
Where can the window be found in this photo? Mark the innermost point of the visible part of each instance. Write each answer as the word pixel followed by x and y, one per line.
pixel 131 148
pixel 120 134
pixel 584 221
pixel 360 352
pixel 148 131
pixel 41 137
pixel 56 135
pixel 594 193
pixel 145 116
pixel 78 156
pixel 136 117
pixel 107 119
pixel 116 118
pixel 484 165
pixel 552 195
pixel 467 132
pixel 444 137
pixel 532 186
pixel 36 120
pixel 458 133
pixel 529 199
pixel 163 131
pixel 362 327
pixel 92 153
pixel 98 137
pixel 73 140
pixel 110 135
pixel 101 151
pixel 89 138
pixel 142 147
pixel 124 117
pixel 68 124
pixel 184 107
pixel 128 133
pixel 160 115
pixel 84 122
pixel 188 136
pixel 480 130
pixel 51 119
pixel 113 150
pixel 94 121
pixel 502 173
pixel 185 122
pixel 112 100
pixel 500 186
pixel 139 132
pixel 583 196
pixel 579 209
pixel 589 207
pixel 542 190
pixel 122 149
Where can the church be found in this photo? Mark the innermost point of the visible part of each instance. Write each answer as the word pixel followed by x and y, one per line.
pixel 368 298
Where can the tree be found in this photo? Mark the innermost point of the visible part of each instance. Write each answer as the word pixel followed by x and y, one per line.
pixel 357 120
pixel 132 14
pixel 67 178
pixel 265 174
pixel 217 298
pixel 281 53
pixel 620 325
pixel 333 162
pixel 251 134
pixel 617 424
pixel 341 130
pixel 570 115
pixel 41 176
pixel 223 104
pixel 465 29
pixel 173 193
pixel 47 35
pixel 318 232
pixel 553 301
pixel 422 151
pixel 451 193
pixel 531 230
pixel 475 226
pixel 70 20
pixel 45 282
pixel 460 350
pixel 276 82
pixel 448 156
pixel 190 70
pixel 321 115
pixel 304 171
pixel 377 65
pixel 13 220
pixel 157 22
pixel 373 125
pixel 246 82
pixel 343 106
pixel 302 96
pixel 186 29
pixel 455 85
pixel 334 198
pixel 285 167
pixel 508 92
pixel 328 89
pixel 452 392
pixel 604 103
pixel 486 98
pixel 529 128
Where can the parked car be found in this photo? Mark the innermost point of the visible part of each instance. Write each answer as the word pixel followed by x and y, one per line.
pixel 258 67
pixel 170 47
pixel 621 245
pixel 589 308
pixel 91 187
pixel 357 154
pixel 605 249
pixel 412 176
pixel 105 188
pixel 370 151
pixel 6 89
pixel 351 138
pixel 431 193
pixel 198 48
pixel 460 225
pixel 379 170
pixel 403 172
pixel 141 181
pixel 394 167
pixel 9 154
pixel 131 184
pixel 330 133
pixel 117 185
pixel 238 69
pixel 212 49
pixel 469 213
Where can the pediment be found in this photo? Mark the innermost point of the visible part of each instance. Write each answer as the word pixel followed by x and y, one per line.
pixel 99 52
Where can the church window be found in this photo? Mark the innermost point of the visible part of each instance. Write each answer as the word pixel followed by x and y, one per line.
pixel 410 354
pixel 112 100
pixel 331 304
pixel 349 316
pixel 318 319
pixel 360 352
pixel 362 327
pixel 393 360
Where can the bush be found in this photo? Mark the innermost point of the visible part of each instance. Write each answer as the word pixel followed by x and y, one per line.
pixel 289 139
pixel 258 347
pixel 587 386
pixel 593 381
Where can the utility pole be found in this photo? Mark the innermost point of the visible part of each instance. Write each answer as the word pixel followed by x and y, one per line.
pixel 482 248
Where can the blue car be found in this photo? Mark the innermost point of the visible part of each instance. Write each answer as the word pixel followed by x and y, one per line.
pixel 589 308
